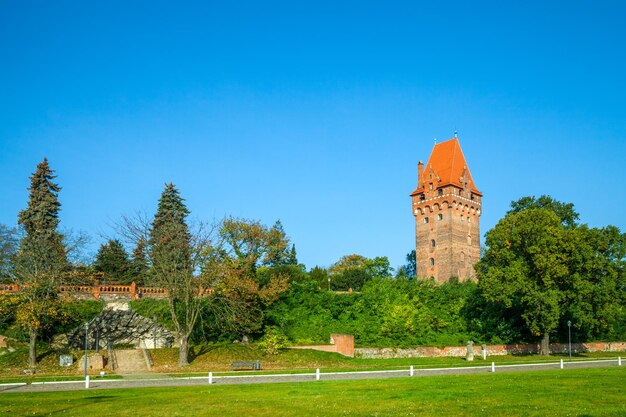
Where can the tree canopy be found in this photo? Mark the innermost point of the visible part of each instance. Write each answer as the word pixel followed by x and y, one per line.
pixel 112 260
pixel 539 262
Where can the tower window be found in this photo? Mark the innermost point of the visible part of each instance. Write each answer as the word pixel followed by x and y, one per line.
pixel 462 218
pixel 430 186
pixel 439 216
pixel 432 243
pixel 422 197
pixel 432 262
pixel 426 220
pixel 440 191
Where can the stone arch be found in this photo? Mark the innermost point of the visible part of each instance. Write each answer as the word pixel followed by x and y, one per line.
pixel 437 206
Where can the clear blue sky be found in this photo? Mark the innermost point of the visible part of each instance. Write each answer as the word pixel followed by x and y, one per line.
pixel 314 113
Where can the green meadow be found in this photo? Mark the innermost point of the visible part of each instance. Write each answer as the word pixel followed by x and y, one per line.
pixel 584 392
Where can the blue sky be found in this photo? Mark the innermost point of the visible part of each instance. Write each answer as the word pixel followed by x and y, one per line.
pixel 314 113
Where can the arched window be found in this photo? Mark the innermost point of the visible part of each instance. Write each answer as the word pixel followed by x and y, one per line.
pixel 439 216
pixel 432 262
pixel 426 220
pixel 432 243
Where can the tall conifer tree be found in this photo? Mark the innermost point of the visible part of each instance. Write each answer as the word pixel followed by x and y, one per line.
pixel 172 265
pixel 41 257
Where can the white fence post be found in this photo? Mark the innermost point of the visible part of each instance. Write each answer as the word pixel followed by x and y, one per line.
pixel 210 377
pixel 411 371
pixel 317 374
pixel 493 366
pixel 87 381
pixel 561 365
pixel 619 361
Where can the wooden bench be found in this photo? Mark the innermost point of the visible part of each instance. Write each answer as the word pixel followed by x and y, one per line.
pixel 237 365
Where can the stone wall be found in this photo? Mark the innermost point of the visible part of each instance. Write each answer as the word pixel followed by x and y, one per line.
pixel 492 350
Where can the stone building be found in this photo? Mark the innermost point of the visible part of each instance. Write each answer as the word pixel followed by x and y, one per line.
pixel 447 209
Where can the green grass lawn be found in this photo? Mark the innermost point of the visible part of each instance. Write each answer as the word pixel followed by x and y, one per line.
pixel 584 392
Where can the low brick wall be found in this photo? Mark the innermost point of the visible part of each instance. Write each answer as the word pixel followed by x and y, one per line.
pixel 492 350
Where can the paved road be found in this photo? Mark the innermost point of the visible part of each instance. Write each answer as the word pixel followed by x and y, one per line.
pixel 324 376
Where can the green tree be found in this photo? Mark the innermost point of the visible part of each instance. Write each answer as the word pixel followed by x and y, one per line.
pixel 8 248
pixel 139 265
pixel 293 257
pixel 409 269
pixel 235 269
pixel 564 211
pixel 41 257
pixel 595 297
pixel 112 260
pixel 172 266
pixel 525 265
pixel 353 271
pixel 277 246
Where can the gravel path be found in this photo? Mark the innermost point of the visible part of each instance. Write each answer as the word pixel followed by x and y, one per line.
pixel 154 381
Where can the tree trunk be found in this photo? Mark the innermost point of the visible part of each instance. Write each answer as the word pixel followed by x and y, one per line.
pixel 545 344
pixel 32 348
pixel 183 352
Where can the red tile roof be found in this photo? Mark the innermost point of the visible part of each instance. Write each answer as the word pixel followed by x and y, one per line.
pixel 448 162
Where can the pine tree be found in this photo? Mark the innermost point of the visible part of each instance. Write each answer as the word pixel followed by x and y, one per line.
pixel 139 262
pixel 113 261
pixel 41 249
pixel 293 257
pixel 41 257
pixel 172 268
pixel 277 246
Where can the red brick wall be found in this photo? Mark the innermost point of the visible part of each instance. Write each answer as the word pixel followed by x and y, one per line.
pixel 456 235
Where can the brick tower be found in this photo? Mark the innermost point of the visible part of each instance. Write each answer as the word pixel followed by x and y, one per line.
pixel 447 208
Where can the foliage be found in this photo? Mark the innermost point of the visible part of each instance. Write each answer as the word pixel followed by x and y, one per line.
pixel 409 269
pixel 273 340
pixel 353 271
pixel 41 257
pixel 61 315
pixel 387 312
pixel 139 264
pixel 112 260
pixel 41 250
pixel 249 268
pixel 8 249
pixel 543 267
pixel 172 261
pixel 564 211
